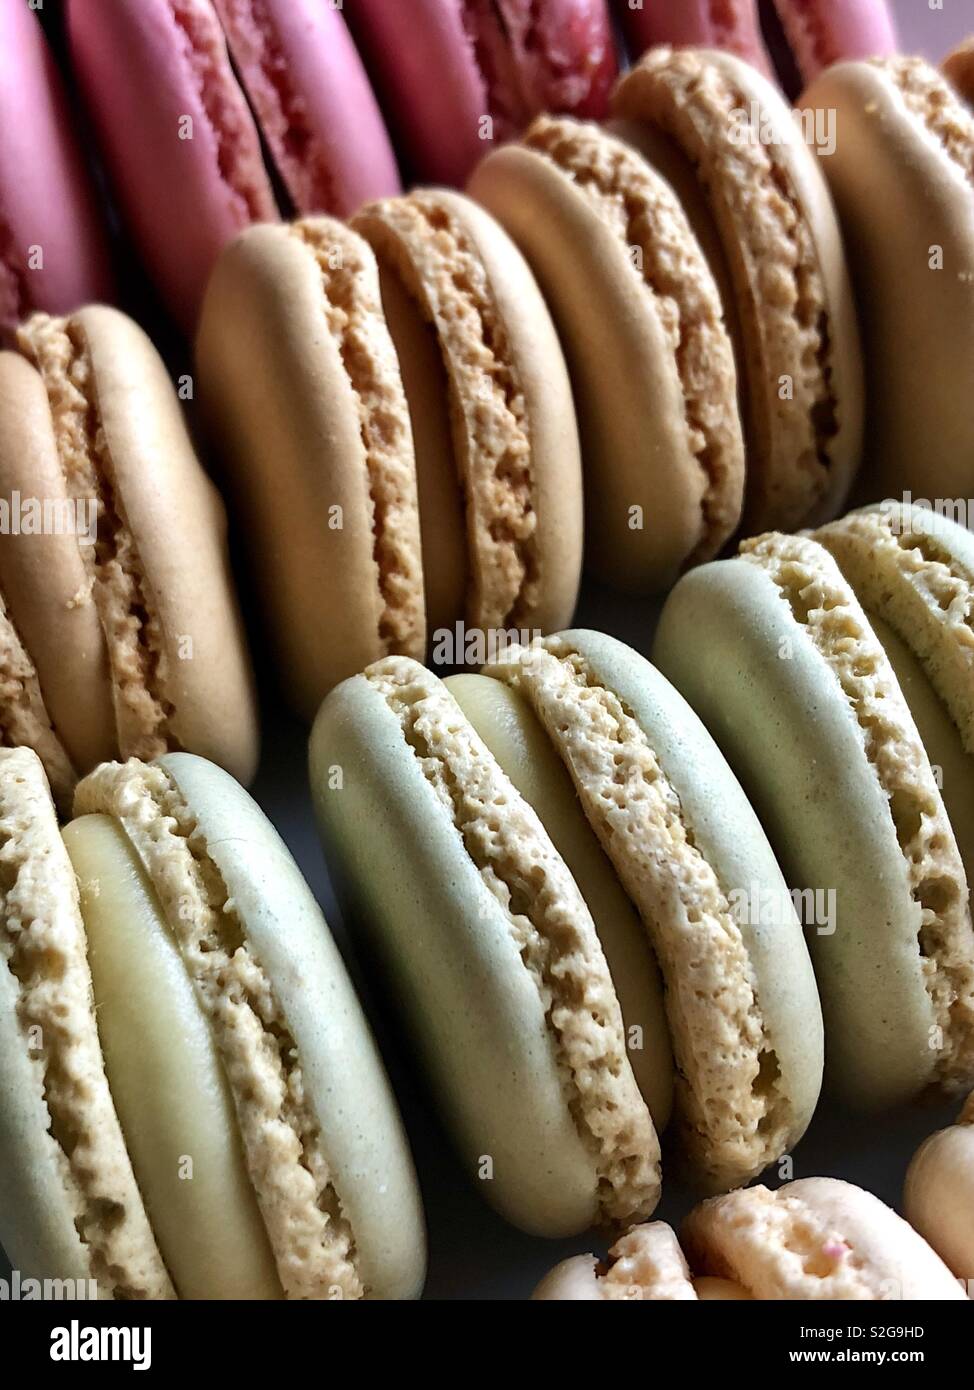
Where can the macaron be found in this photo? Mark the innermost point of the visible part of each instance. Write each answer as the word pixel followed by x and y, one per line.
pixel 496 67
pixel 53 254
pixel 180 126
pixel 121 625
pixel 812 34
pixel 817 1239
pixel 653 371
pixel 775 653
pixel 901 176
pixel 739 993
pixel 491 952
pixel 584 746
pixel 211 1013
pixel 783 260
pixel 958 68
pixel 494 427
pixel 913 572
pixel 938 1196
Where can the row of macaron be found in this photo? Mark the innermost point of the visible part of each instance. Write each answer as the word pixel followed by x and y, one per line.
pixel 211 114
pixel 582 880
pixel 396 407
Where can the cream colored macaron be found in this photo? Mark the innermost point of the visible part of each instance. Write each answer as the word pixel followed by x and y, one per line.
pixel 902 174
pixel 492 414
pixel 816 1239
pixel 775 653
pixel 782 259
pixel 938 1196
pixel 650 357
pixel 303 398
pixel 230 1052
pixel 604 772
pixel 119 633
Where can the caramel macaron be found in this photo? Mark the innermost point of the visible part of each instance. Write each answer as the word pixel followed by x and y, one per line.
pixel 902 174
pixel 641 321
pixel 492 413
pixel 938 1195
pixel 120 630
pixel 783 262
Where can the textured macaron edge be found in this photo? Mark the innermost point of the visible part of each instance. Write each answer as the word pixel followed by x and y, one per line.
pixel 915 569
pixel 550 926
pixel 644 1264
pixel 825 606
pixel 312 1243
pixel 83 1215
pixel 927 96
pixel 739 1104
pixel 624 191
pixel 773 209
pixel 814 1239
pixel 427 240
pixel 24 719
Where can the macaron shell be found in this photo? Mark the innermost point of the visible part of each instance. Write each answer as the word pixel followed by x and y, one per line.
pixel 741 997
pixel 516 739
pixel 732 25
pixel 46 198
pixel 71 1208
pixel 43 578
pixel 178 526
pixel 733 648
pixel 917 322
pixel 286 417
pixel 801 353
pixel 316 109
pixel 24 719
pixel 360 1129
pixel 958 68
pixel 445 937
pixel 167 1078
pixel 938 1196
pixel 815 1239
pixel 645 490
pixel 823 32
pixel 145 70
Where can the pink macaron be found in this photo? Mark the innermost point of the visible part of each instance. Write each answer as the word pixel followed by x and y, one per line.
pixel 179 136
pixel 52 247
pixel 818 33
pixel 453 75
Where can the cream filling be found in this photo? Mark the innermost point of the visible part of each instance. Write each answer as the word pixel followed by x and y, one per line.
pixel 137 654
pixel 733 1117
pixel 646 216
pixel 309 1235
pixel 42 946
pixel 551 927
pixel 820 600
pixel 353 313
pixel 420 241
pixel 930 97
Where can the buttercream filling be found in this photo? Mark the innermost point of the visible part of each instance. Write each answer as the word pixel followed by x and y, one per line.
pixel 931 98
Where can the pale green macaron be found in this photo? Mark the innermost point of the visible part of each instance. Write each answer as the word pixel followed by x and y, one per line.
pixel 192 1104
pixel 531 850
pixel 775 652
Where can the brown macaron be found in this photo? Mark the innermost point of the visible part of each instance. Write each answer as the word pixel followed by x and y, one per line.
pixel 641 321
pixel 902 175
pixel 492 414
pixel 798 349
pixel 120 634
